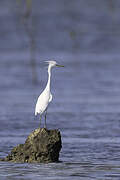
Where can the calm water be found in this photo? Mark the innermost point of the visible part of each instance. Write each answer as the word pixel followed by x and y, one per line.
pixel 85 107
pixel 86 92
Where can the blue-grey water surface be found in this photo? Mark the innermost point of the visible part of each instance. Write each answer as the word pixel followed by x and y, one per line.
pixel 84 37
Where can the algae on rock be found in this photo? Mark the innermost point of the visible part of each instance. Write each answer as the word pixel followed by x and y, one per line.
pixel 42 146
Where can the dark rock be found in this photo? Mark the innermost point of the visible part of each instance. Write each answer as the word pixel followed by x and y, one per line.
pixel 41 146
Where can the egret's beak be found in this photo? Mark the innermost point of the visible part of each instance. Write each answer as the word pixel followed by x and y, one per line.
pixel 59 65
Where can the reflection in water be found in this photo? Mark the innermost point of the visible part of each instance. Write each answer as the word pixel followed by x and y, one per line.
pixel 26 19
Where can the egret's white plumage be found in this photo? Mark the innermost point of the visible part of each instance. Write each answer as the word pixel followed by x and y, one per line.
pixel 45 97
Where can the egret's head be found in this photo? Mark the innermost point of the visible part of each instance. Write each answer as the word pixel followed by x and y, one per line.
pixel 53 63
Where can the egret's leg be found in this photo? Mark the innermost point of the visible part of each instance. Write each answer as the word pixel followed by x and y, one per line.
pixel 45 126
pixel 40 120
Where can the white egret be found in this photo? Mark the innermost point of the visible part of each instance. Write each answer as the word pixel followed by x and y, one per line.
pixel 45 97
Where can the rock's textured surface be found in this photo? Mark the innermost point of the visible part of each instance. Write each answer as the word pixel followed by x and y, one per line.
pixel 41 146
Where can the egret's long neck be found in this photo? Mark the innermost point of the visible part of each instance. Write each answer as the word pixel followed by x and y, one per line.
pixel 49 78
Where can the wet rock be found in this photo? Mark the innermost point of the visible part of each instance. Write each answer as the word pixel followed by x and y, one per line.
pixel 41 146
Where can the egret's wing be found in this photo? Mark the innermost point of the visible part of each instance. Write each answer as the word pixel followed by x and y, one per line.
pixel 50 97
